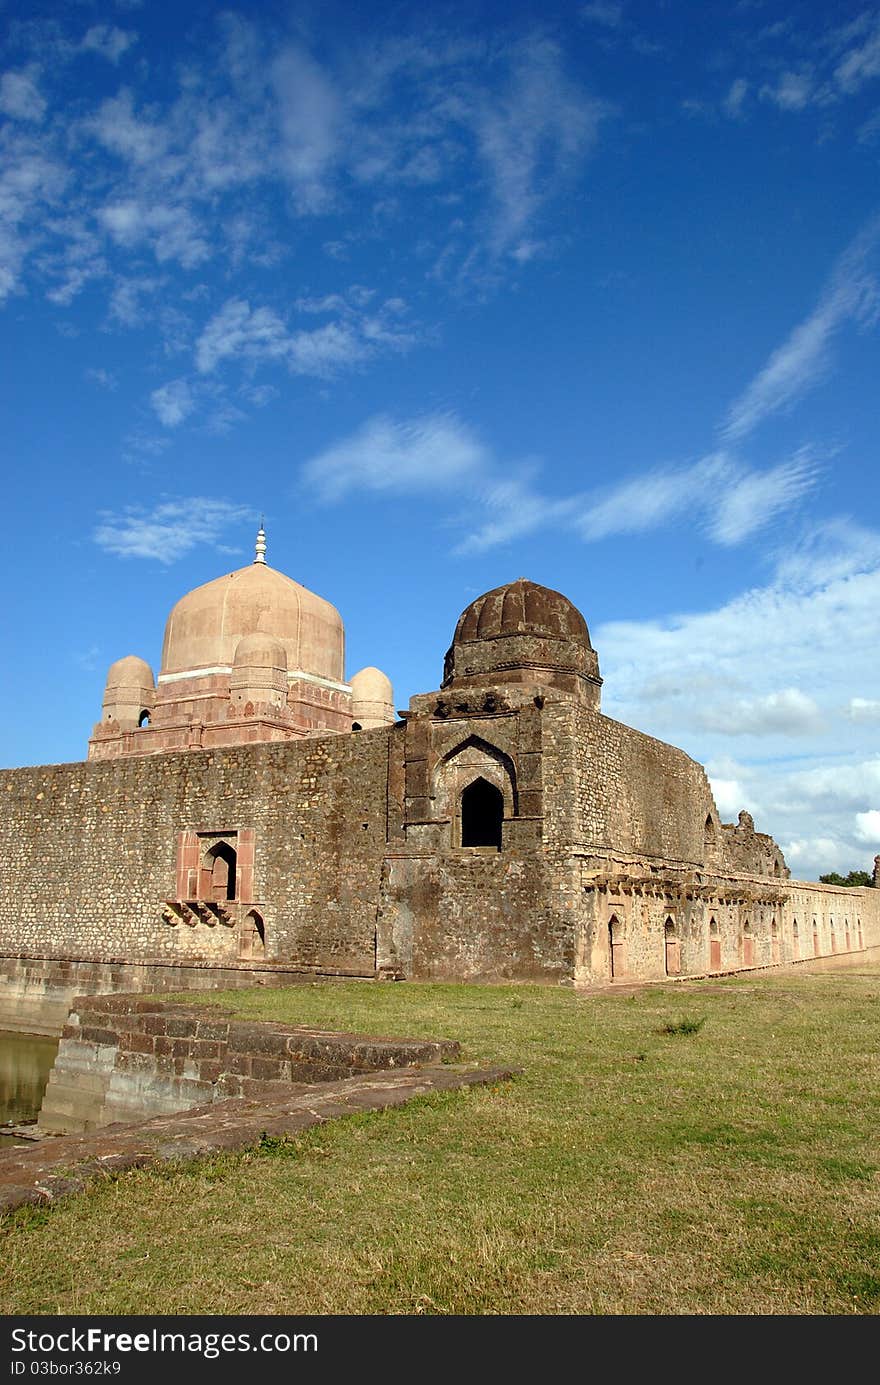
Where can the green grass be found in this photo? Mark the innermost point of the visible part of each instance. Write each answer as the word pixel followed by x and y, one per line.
pixel 733 1170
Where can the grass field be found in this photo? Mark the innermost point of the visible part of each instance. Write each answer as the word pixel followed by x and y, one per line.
pixel 706 1147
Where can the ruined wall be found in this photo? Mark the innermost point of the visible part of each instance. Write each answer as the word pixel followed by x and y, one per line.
pixel 90 852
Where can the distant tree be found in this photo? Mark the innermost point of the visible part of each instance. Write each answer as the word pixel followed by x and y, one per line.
pixel 855 877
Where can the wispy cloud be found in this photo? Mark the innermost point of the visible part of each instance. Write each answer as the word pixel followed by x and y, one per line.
pixel 861 61
pixel 107 379
pixel 852 295
pixel 170 530
pixel 727 499
pixel 531 135
pixel 431 453
pixel 752 500
pixel 734 102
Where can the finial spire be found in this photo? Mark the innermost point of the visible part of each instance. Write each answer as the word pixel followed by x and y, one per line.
pixel 261 544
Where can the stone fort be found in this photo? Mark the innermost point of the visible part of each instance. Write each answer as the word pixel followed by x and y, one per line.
pixel 250 814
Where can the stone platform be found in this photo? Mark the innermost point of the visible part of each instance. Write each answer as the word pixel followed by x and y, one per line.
pixel 58 1165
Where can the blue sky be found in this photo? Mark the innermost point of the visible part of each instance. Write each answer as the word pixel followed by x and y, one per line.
pixel 455 294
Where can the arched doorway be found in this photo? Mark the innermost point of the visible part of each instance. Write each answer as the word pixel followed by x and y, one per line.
pixel 616 947
pixel 714 945
pixel 774 941
pixel 795 940
pixel 673 948
pixel 748 945
pixel 482 815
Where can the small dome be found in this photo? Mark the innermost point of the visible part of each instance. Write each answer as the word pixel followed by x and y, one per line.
pixel 527 635
pixel 130 672
pixel 371 685
pixel 260 651
pixel 521 608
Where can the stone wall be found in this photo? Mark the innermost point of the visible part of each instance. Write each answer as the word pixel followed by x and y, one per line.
pixel 348 858
pixel 634 795
pixel 123 1058
pixel 90 852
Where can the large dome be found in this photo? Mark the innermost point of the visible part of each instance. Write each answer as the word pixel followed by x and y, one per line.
pixel 523 633
pixel 207 624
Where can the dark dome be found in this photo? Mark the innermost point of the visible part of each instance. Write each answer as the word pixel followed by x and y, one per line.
pixel 523 635
pixel 521 608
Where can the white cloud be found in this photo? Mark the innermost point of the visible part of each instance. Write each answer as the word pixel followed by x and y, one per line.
pixel 173 403
pixel 260 335
pixel 512 508
pixel 310 115
pixel 126 306
pixel 717 492
pixel 120 130
pixel 654 498
pixel 863 709
pixel 108 41
pixel 788 712
pixel 170 530
pixel 730 797
pixel 434 452
pixel 804 358
pixel 868 827
pixel 172 232
pixel 20 95
pixel 239 330
pixel 773 670
pixel 107 379
pixel 792 91
pixel 607 13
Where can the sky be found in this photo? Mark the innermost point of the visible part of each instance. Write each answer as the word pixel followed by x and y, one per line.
pixel 454 294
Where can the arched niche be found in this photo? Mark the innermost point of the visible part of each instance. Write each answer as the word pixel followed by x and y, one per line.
pixel 252 940
pixel 673 947
pixel 714 945
pixel 218 871
pixel 616 947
